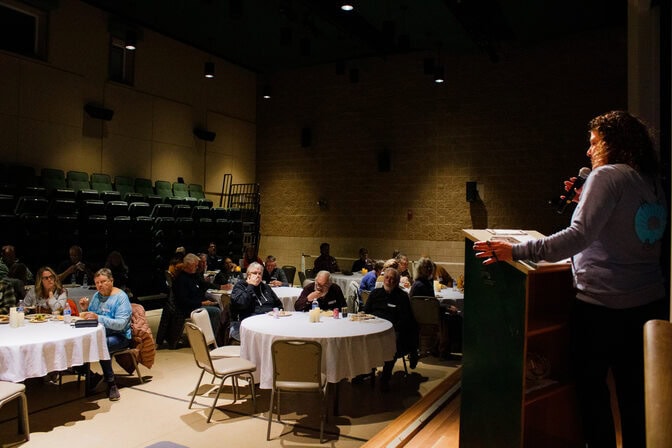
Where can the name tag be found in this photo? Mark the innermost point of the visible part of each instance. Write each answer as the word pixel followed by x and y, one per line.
pixel 391 305
pixel 331 303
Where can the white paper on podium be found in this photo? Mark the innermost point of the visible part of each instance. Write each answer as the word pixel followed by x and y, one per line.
pixel 506 231
pixel 513 236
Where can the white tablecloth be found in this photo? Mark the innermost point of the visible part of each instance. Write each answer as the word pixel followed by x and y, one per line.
pixel 286 294
pixel 344 281
pixel 450 294
pixel 36 349
pixel 348 348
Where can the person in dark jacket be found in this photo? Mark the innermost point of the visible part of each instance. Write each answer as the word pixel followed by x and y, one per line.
pixel 250 296
pixel 190 293
pixel 391 303
pixel 328 295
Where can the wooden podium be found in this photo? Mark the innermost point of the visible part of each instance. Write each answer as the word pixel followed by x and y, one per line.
pixel 516 385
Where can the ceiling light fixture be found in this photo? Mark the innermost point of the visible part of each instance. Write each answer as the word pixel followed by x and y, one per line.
pixel 266 93
pixel 131 41
pixel 347 6
pixel 439 74
pixel 209 70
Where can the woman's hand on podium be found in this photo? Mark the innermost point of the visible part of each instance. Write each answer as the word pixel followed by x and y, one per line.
pixel 493 251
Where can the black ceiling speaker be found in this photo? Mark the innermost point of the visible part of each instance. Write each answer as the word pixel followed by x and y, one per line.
pixel 99 112
pixel 204 134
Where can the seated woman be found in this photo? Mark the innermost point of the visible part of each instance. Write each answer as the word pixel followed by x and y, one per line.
pixel 450 335
pixel 176 263
pixel 48 295
pixel 424 278
pixel 228 275
pixel 442 276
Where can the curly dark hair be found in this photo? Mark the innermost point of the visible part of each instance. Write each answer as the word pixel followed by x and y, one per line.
pixel 625 139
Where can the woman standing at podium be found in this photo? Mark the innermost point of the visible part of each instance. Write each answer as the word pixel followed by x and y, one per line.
pixel 614 240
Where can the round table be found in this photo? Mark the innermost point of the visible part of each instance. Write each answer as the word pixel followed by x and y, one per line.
pixel 35 349
pixel 349 348
pixel 343 281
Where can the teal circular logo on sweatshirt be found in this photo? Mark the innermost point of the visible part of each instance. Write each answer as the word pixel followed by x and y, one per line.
pixel 650 222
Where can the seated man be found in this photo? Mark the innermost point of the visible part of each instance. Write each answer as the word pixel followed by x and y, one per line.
pixel 9 259
pixel 189 292
pixel 74 269
pixel 250 296
pixel 368 282
pixel 325 262
pixel 273 275
pixel 363 262
pixel 327 294
pixel 7 296
pixel 111 307
pixel 391 302
pixel 207 281
pixel 214 261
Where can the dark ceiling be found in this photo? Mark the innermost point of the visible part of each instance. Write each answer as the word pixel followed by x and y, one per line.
pixel 272 35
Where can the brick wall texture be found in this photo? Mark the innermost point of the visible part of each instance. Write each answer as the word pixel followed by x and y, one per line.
pixel 517 127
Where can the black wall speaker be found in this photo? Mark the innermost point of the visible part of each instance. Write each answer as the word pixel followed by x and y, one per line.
pixel 306 137
pixel 472 191
pixel 98 112
pixel 204 134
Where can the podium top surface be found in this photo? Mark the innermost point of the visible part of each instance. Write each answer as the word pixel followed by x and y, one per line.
pixel 515 236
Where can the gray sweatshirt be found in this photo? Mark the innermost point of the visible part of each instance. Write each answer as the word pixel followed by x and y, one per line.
pixel 614 239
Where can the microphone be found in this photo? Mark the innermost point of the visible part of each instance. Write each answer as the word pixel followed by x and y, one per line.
pixel 578 183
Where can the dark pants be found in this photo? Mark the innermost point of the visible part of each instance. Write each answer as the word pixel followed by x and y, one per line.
pixel 603 339
pixel 115 343
pixel 407 344
pixel 214 313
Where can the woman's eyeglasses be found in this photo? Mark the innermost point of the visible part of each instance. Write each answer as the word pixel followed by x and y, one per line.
pixel 47 277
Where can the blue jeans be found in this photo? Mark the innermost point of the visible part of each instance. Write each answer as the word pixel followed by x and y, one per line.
pixel 115 342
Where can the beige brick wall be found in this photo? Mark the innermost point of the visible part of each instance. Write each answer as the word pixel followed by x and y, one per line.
pixel 517 127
